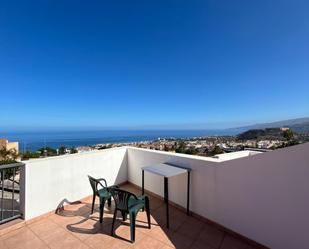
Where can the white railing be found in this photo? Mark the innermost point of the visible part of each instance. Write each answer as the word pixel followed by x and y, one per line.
pixel 263 197
pixel 10 191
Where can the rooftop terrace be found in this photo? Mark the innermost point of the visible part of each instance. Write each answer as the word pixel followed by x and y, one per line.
pixel 74 227
pixel 253 201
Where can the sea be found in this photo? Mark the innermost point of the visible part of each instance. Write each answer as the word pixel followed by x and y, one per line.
pixel 32 141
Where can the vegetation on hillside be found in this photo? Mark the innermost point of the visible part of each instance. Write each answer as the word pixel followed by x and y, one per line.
pixel 267 134
pixel 215 151
pixel 46 152
pixel 8 157
pixel 182 148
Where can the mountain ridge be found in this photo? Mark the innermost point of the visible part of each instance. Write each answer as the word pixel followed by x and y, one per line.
pixel 299 125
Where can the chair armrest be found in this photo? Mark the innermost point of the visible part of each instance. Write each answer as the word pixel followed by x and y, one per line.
pixel 102 180
pixel 112 186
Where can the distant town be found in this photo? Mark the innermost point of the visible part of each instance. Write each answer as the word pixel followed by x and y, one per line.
pixel 259 140
pixel 256 139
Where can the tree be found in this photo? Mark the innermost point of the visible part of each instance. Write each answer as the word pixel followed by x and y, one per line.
pixel 73 150
pixel 8 157
pixel 47 151
pixel 181 147
pixel 28 154
pixel 215 151
pixel 288 134
pixel 62 150
pixel 191 151
pixel 165 148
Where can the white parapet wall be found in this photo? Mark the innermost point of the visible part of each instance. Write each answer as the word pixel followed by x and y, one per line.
pixel 202 177
pixel 264 197
pixel 51 181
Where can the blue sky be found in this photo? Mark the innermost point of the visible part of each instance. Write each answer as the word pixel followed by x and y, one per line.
pixel 152 64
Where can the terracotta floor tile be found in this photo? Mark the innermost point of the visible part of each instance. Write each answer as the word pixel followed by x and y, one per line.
pixel 142 219
pixel 25 238
pixel 123 233
pixel 107 217
pixel 176 218
pixel 107 227
pixel 99 241
pixel 2 244
pixel 132 189
pixel 211 236
pixel 55 236
pixel 149 243
pixel 118 244
pixel 23 233
pixel 82 211
pixel 175 223
pixel 43 227
pixel 161 234
pixel 201 245
pixel 191 227
pixel 63 239
pixel 230 242
pixel 39 218
pixel 64 219
pixel 155 203
pixel 179 215
pixel 29 244
pixel 95 223
pixel 181 241
pixel 143 227
pixel 159 215
pixel 83 229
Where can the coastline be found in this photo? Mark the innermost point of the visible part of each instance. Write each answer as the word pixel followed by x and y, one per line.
pixel 33 141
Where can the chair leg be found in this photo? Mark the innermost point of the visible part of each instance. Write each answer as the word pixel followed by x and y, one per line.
pixel 109 202
pixel 114 218
pixel 102 202
pixel 147 211
pixel 93 201
pixel 132 226
pixel 124 215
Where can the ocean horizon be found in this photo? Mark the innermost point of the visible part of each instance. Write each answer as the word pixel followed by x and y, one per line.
pixel 33 141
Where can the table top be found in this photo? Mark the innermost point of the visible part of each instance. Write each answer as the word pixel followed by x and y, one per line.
pixel 165 170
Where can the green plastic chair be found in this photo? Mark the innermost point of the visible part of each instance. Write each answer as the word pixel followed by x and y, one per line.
pixel 102 193
pixel 129 203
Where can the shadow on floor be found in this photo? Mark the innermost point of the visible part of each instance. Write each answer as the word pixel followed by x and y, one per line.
pixel 185 231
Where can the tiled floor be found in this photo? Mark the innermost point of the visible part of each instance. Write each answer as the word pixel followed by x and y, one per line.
pixel 76 228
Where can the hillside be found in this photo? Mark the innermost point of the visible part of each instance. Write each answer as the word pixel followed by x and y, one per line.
pixel 262 134
pixel 299 125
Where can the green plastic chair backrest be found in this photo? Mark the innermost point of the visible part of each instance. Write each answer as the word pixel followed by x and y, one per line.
pixel 121 198
pixel 94 183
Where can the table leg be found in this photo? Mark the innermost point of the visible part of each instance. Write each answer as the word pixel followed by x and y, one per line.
pixel 188 193
pixel 166 201
pixel 143 182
